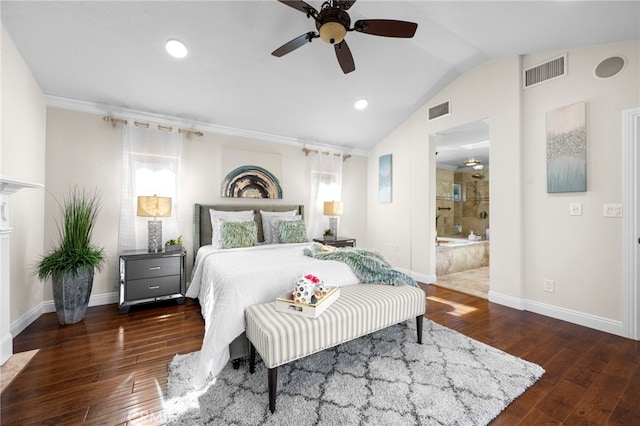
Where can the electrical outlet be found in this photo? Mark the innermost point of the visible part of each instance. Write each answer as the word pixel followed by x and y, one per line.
pixel 575 209
pixel 612 210
pixel 549 286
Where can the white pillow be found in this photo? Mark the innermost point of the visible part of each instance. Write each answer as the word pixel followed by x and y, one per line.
pixel 275 224
pixel 217 215
pixel 267 217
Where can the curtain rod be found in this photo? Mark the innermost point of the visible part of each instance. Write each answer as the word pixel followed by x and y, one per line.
pixel 115 121
pixel 308 151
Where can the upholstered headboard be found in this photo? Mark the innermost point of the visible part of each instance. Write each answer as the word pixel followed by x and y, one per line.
pixel 202 219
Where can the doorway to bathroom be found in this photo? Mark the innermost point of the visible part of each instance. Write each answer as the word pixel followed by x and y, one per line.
pixel 462 202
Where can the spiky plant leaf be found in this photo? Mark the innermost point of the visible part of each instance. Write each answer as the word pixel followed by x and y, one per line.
pixel 75 251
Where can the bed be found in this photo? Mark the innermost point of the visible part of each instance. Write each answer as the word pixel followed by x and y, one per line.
pixel 227 281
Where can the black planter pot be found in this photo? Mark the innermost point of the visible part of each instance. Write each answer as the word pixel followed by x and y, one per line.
pixel 71 294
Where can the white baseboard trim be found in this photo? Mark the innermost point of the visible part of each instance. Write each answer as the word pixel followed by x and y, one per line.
pixel 24 321
pixel 104 298
pixel 506 300
pixel 6 348
pixel 575 317
pixel 47 306
pixel 418 277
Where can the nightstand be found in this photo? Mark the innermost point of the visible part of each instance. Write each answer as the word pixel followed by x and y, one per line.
pixel 338 242
pixel 151 277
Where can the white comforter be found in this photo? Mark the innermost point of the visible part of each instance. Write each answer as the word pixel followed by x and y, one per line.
pixel 228 281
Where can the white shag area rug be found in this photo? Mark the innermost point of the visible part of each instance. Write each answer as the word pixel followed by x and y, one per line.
pixel 385 378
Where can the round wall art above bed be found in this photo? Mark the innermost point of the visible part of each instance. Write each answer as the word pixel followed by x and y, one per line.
pixel 251 182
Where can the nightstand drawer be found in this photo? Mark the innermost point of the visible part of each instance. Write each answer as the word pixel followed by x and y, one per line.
pixel 155 267
pixel 147 288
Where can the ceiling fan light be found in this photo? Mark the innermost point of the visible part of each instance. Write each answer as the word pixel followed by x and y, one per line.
pixel 472 162
pixel 332 32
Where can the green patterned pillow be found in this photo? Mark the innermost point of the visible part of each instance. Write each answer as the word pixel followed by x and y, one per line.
pixel 292 231
pixel 238 234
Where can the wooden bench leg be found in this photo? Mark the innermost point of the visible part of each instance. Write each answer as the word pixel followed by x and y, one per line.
pixel 419 327
pixel 252 358
pixel 273 384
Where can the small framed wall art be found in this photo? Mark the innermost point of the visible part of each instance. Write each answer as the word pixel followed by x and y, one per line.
pixel 385 177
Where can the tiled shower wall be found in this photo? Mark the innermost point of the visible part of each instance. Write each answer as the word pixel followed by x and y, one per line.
pixel 458 218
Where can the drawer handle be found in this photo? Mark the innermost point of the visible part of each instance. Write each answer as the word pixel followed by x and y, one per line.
pixel 154 268
pixel 153 287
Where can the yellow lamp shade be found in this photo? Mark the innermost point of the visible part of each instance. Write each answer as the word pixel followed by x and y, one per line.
pixel 152 206
pixel 333 208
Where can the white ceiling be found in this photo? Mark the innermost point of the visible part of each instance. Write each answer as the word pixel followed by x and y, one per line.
pixel 467 142
pixel 112 52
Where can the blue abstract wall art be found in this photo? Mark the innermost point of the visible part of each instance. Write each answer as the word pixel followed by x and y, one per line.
pixel 567 149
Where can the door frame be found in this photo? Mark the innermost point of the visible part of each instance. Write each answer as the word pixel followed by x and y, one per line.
pixel 631 223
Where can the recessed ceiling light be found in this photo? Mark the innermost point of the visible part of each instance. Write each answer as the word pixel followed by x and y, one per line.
pixel 176 48
pixel 361 104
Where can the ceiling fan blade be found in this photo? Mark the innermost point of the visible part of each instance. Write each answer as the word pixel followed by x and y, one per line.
pixel 345 59
pixel 294 44
pixel 301 6
pixel 345 4
pixel 386 27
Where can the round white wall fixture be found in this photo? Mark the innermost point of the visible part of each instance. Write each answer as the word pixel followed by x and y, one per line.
pixel 610 67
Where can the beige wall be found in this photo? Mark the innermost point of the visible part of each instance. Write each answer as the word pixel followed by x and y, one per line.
pixel 408 224
pixel 388 224
pixel 22 152
pixel 83 149
pixel 582 254
pixel 532 235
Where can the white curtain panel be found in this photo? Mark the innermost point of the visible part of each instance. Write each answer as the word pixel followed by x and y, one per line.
pixel 326 185
pixel 151 165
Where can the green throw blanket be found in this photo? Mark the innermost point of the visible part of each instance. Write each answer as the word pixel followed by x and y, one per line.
pixel 369 267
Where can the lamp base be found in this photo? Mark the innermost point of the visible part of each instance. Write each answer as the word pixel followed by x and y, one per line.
pixel 155 236
pixel 333 225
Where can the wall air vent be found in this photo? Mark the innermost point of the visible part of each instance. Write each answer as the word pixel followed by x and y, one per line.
pixel 554 68
pixel 439 110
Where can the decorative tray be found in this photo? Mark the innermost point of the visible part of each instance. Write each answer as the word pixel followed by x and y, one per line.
pixel 285 304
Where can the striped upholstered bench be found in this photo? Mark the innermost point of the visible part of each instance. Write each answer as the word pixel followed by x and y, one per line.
pixel 361 309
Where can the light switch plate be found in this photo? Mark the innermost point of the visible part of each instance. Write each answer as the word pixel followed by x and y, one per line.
pixel 612 210
pixel 575 209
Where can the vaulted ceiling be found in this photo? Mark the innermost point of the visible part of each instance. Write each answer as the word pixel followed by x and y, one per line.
pixel 112 52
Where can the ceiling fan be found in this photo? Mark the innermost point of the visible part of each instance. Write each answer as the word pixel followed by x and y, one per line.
pixel 333 23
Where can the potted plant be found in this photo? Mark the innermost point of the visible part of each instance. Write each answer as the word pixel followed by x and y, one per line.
pixel 173 245
pixel 72 263
pixel 328 235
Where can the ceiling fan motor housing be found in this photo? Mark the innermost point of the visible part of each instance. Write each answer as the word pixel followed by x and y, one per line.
pixel 332 24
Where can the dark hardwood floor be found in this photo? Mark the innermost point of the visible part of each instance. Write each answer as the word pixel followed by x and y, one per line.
pixel 111 369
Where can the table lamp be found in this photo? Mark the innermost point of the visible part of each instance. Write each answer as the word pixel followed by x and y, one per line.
pixel 333 209
pixel 155 207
